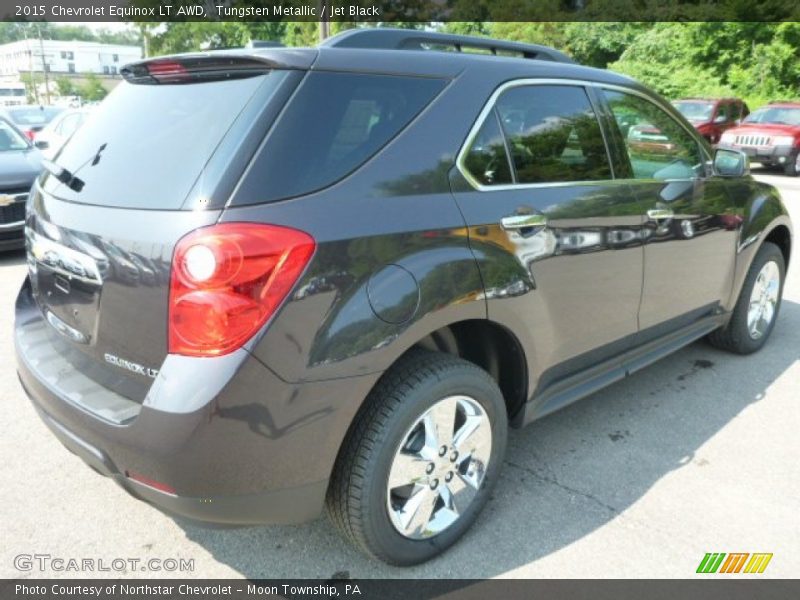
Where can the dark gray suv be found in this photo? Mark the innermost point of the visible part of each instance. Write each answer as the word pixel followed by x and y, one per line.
pixel 266 281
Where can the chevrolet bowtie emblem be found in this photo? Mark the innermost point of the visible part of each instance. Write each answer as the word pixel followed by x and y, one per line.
pixel 6 199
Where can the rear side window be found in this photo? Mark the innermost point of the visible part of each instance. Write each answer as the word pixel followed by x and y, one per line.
pixel 145 145
pixel 551 132
pixel 333 124
pixel 487 159
pixel 724 112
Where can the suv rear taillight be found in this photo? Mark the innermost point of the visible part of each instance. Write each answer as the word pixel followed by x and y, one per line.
pixel 228 280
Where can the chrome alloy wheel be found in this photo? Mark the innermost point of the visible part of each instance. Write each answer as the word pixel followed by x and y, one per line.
pixel 439 467
pixel 763 300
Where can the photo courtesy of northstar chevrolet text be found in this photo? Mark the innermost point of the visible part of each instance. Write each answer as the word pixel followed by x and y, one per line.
pixel 314 294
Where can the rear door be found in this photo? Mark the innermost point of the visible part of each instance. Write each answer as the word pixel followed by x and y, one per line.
pixel 152 163
pixel 691 225
pixel 557 239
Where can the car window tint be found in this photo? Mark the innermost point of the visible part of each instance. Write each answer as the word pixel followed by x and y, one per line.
pixel 146 145
pixel 724 110
pixel 553 134
pixel 333 124
pixel 658 146
pixel 487 159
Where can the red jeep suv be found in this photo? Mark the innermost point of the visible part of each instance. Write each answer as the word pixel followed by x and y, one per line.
pixel 712 116
pixel 770 135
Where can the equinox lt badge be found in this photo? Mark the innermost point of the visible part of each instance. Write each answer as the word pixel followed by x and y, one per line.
pixel 130 366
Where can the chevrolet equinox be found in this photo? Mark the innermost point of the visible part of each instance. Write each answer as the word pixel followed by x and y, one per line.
pixel 267 282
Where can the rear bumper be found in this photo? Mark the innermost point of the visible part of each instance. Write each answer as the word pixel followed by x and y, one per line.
pixel 286 506
pixel 252 450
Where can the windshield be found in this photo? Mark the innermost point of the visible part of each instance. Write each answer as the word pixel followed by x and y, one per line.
pixel 144 146
pixel 10 139
pixel 779 115
pixel 33 116
pixel 695 111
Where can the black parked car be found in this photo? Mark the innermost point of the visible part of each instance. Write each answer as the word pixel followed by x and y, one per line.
pixel 20 164
pixel 365 261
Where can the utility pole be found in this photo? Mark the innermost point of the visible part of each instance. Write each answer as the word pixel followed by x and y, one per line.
pixel 44 67
pixel 32 79
pixel 324 22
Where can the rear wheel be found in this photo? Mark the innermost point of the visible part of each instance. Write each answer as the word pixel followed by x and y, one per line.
pixel 420 460
pixel 757 309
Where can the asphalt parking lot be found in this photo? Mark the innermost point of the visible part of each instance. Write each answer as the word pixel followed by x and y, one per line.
pixel 697 453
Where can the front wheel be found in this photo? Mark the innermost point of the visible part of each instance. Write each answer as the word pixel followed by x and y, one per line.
pixel 420 460
pixel 792 168
pixel 759 301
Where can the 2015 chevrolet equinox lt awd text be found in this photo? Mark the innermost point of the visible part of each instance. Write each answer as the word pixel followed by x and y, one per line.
pixel 266 281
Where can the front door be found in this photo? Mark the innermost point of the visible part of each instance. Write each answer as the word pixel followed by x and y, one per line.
pixel 691 225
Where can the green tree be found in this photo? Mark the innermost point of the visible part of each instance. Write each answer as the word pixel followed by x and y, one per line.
pixel 65 87
pixel 32 81
pixel 756 61
pixel 92 90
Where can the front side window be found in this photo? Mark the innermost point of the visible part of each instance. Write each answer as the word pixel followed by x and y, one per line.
pixel 658 147
pixel 551 133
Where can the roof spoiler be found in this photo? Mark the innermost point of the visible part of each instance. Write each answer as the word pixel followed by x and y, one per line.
pixel 215 65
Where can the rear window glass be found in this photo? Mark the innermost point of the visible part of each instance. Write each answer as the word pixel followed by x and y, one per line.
pixel 334 123
pixel 145 145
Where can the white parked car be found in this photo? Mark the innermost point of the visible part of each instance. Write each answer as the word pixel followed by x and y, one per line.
pixel 50 139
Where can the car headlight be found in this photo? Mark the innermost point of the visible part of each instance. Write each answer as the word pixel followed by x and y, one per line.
pixel 783 140
pixel 727 138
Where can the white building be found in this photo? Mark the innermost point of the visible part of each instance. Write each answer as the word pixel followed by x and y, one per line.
pixel 64 58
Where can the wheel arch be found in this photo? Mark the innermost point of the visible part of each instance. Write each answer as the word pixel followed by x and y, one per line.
pixel 488 344
pixel 781 236
pixel 765 220
pixel 491 346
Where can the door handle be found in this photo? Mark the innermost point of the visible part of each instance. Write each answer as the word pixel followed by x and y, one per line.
pixel 660 214
pixel 523 221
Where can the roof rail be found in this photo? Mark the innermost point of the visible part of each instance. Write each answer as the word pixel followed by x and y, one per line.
pixel 381 38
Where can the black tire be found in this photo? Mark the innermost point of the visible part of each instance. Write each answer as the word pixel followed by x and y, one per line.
pixel 357 495
pixel 792 168
pixel 735 336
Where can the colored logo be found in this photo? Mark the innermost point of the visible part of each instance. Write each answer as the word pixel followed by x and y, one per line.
pixel 735 562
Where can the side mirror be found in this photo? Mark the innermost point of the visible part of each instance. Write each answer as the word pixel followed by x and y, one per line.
pixel 41 144
pixel 731 163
